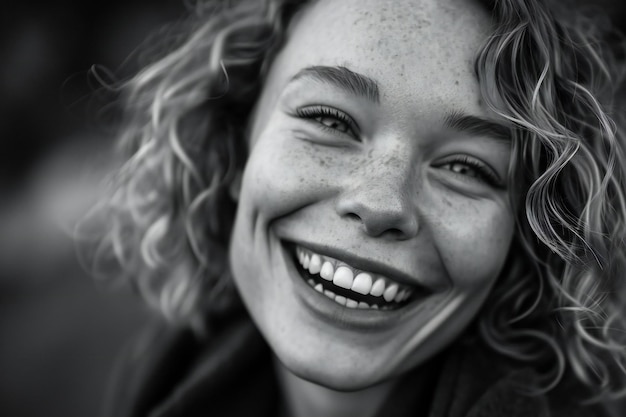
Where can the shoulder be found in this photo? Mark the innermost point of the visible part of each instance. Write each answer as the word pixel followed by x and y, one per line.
pixel 144 368
pixel 477 382
pixel 171 371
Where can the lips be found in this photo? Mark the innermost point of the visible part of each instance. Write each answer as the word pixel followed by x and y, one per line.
pixel 350 286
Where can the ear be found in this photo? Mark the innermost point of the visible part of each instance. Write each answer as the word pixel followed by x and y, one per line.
pixel 235 187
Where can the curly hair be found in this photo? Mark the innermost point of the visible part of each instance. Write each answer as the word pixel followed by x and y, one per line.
pixel 165 225
pixel 554 82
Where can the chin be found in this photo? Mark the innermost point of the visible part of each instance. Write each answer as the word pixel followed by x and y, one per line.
pixel 334 378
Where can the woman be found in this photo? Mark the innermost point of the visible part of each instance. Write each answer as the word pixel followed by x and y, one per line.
pixel 420 204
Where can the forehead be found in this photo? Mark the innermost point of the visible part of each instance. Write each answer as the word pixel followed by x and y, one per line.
pixel 408 46
pixel 399 23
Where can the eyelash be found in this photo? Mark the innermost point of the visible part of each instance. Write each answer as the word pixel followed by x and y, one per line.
pixel 314 112
pixel 483 172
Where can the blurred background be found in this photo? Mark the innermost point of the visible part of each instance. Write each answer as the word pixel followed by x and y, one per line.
pixel 60 331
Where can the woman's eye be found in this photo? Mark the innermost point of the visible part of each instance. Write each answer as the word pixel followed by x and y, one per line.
pixel 473 169
pixel 330 119
pixel 461 168
pixel 333 123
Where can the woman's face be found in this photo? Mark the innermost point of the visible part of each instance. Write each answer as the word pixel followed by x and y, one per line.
pixel 373 216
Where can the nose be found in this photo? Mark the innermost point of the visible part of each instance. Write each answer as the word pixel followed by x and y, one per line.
pixel 384 205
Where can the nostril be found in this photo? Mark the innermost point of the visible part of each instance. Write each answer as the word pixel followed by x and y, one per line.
pixel 353 216
pixel 389 232
pixel 395 233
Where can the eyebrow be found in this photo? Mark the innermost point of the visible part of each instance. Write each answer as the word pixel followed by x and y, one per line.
pixel 343 78
pixel 477 126
pixel 364 86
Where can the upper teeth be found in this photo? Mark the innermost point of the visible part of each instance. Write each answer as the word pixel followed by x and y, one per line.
pixel 345 276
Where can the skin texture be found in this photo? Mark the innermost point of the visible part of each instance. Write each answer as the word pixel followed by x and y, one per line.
pixel 386 192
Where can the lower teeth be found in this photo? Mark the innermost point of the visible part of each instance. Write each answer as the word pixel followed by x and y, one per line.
pixel 347 302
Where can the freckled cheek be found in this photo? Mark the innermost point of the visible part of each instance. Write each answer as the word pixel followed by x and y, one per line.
pixel 474 245
pixel 283 174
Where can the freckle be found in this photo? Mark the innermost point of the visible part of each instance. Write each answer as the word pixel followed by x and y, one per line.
pixel 456 82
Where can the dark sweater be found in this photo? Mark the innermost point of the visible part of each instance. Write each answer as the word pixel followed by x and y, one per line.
pixel 170 372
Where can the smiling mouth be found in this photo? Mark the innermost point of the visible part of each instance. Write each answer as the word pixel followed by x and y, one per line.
pixel 349 286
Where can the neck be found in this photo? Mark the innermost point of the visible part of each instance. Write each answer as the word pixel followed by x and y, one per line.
pixel 305 399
